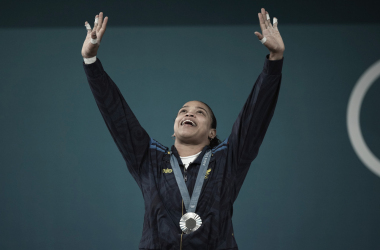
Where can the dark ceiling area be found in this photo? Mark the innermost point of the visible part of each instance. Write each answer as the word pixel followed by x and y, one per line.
pixel 71 13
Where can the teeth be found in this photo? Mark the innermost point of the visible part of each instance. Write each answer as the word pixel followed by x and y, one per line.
pixel 193 123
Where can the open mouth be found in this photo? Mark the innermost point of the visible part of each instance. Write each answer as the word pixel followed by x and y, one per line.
pixel 188 122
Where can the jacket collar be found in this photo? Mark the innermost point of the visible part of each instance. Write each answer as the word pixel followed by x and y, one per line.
pixel 197 161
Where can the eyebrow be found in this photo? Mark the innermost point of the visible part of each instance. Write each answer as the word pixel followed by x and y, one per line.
pixel 197 107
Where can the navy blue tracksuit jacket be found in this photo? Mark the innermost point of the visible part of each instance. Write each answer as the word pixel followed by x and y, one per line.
pixel 149 163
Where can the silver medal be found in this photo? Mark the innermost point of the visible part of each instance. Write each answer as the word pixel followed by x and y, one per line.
pixel 190 222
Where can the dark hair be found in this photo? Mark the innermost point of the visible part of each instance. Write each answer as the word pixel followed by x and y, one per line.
pixel 215 141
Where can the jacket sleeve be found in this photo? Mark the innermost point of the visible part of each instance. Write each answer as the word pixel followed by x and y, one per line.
pixel 252 123
pixel 131 139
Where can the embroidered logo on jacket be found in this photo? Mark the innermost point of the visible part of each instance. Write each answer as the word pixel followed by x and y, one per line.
pixel 207 173
pixel 167 170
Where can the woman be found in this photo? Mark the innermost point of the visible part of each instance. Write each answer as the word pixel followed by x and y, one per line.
pixel 189 190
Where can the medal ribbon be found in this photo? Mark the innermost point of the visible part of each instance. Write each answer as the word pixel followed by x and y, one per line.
pixel 190 205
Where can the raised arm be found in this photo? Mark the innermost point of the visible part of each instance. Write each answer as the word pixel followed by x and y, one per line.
pixel 252 123
pixel 131 139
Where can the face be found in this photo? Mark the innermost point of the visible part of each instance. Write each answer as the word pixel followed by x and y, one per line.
pixel 193 124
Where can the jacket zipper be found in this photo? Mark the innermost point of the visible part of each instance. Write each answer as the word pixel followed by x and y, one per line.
pixel 185 174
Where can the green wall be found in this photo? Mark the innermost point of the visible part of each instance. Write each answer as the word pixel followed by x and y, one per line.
pixel 64 184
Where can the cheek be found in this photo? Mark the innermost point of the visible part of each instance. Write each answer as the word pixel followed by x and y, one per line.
pixel 176 122
pixel 206 122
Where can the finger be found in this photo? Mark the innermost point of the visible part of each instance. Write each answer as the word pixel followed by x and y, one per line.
pixel 93 34
pixel 268 20
pixel 262 22
pixel 263 11
pixel 102 30
pixel 275 23
pixel 94 39
pixel 88 27
pixel 96 22
pixel 100 21
pixel 259 36
pixel 104 25
pixel 264 15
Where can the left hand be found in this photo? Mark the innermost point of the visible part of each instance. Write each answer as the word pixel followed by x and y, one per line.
pixel 274 40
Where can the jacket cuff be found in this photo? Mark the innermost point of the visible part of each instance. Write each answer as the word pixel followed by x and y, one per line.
pixel 93 70
pixel 272 67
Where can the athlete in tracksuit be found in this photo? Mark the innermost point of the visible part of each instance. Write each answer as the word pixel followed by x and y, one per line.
pixel 149 161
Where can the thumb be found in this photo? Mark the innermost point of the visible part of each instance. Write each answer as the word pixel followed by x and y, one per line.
pixel 259 35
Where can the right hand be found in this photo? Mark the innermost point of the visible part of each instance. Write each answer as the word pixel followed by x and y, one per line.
pixel 89 49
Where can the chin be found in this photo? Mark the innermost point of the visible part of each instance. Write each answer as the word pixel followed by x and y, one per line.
pixel 187 136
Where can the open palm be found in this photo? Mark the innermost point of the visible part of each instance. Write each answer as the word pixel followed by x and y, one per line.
pixel 273 38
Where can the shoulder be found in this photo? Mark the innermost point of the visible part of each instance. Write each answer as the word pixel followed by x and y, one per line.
pixel 155 145
pixel 221 147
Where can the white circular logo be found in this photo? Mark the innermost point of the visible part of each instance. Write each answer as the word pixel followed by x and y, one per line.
pixel 353 118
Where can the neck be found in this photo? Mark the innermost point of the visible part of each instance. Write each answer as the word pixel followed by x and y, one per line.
pixel 185 149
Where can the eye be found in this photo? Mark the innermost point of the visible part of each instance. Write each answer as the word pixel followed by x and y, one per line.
pixel 200 112
pixel 183 110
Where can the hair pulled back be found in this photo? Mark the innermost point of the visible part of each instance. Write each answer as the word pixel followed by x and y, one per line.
pixel 215 141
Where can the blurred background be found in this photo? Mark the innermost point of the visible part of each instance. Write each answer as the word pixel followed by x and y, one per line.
pixel 65 185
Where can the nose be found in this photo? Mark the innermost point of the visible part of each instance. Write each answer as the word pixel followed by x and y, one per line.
pixel 189 113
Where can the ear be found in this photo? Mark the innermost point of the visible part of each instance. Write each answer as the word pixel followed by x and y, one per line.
pixel 173 135
pixel 212 133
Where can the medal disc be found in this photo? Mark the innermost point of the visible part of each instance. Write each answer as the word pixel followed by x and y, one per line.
pixel 190 222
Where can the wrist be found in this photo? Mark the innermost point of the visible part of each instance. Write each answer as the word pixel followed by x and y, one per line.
pixel 275 56
pixel 89 60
